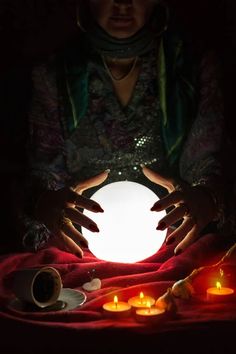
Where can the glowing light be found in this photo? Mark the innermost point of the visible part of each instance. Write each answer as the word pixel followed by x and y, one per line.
pixel 141 301
pixel 218 285
pixel 117 308
pixel 127 227
pixel 149 306
pixel 116 301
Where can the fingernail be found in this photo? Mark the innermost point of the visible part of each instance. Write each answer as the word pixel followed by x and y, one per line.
pixel 161 226
pixel 97 209
pixel 156 207
pixel 170 241
pixel 93 228
pixel 142 165
pixel 108 170
pixel 178 252
pixel 79 255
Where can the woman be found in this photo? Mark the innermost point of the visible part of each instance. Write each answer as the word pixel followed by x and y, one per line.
pixel 127 92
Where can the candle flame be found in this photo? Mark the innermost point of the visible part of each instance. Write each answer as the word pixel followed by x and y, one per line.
pixel 115 300
pixel 149 306
pixel 221 272
pixel 141 297
pixel 218 285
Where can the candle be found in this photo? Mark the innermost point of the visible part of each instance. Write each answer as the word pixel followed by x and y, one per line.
pixel 117 308
pixel 141 301
pixel 149 313
pixel 219 293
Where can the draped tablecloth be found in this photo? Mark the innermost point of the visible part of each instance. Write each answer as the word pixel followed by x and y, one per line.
pixel 197 326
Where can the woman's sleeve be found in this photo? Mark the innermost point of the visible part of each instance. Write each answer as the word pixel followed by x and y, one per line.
pixel 47 168
pixel 201 162
pixel 46 142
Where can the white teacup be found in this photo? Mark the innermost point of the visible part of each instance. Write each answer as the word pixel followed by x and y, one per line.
pixel 38 286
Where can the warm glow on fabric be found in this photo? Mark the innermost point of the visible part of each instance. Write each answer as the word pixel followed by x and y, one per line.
pixel 127 227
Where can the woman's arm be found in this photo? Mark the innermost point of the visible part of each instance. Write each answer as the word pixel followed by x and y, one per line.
pixel 53 205
pixel 46 163
pixel 46 143
pixel 197 198
pixel 201 160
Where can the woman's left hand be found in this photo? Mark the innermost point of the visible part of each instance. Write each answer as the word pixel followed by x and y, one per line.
pixel 193 205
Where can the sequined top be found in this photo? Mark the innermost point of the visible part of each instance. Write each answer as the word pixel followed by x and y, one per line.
pixel 116 137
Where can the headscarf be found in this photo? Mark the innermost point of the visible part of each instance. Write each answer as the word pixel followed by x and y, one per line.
pixel 138 44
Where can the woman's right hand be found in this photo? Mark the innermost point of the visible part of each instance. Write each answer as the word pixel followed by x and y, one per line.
pixel 58 210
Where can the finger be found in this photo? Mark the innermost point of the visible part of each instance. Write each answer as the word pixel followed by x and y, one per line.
pixel 158 179
pixel 70 245
pixel 92 182
pixel 80 219
pixel 58 242
pixel 169 200
pixel 191 237
pixel 181 231
pixel 172 217
pixel 83 202
pixel 74 234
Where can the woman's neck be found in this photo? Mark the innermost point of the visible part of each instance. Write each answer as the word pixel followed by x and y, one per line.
pixel 119 68
pixel 124 74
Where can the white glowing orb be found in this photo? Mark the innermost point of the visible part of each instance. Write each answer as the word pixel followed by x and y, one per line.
pixel 127 227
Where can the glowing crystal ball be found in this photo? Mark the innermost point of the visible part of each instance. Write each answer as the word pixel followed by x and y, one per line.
pixel 127 227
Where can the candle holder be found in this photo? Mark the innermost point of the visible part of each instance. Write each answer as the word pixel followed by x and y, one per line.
pixel 138 302
pixel 150 314
pixel 220 294
pixel 117 309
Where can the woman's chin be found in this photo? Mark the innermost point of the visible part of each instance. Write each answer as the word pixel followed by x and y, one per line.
pixel 121 29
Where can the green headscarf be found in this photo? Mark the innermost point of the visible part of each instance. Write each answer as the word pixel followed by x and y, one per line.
pixel 178 92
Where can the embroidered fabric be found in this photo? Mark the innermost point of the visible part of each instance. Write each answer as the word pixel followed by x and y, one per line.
pixel 217 194
pixel 200 163
pixel 36 235
pixel 118 138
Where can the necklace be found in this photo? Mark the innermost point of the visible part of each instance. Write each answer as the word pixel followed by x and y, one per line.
pixel 126 76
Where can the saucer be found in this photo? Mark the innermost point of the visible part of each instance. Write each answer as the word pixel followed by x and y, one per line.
pixel 68 299
pixel 72 298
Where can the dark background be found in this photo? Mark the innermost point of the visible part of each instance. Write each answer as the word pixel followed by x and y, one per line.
pixel 31 30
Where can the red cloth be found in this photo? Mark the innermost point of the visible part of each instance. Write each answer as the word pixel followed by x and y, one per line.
pixel 86 327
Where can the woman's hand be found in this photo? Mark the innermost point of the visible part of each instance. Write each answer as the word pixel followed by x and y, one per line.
pixel 58 210
pixel 193 205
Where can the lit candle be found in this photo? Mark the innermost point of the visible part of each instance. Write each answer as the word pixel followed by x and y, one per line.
pixel 149 313
pixel 117 308
pixel 141 301
pixel 219 293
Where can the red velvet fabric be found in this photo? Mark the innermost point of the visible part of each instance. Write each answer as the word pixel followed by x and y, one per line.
pixel 87 330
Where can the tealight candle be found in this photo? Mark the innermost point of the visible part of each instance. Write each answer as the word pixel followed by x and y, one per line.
pixel 141 301
pixel 219 293
pixel 149 313
pixel 117 308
